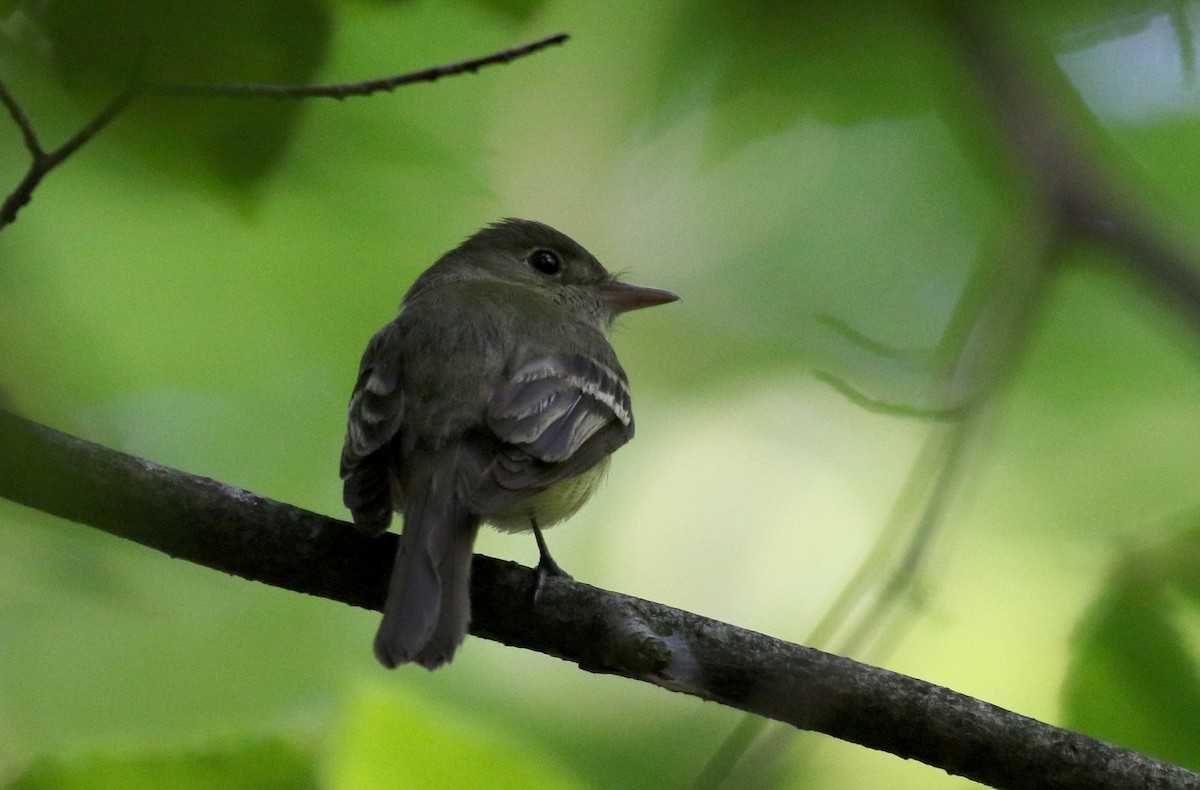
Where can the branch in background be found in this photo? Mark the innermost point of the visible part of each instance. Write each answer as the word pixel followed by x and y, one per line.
pixel 1070 197
pixel 213 524
pixel 875 405
pixel 44 161
pixel 1030 101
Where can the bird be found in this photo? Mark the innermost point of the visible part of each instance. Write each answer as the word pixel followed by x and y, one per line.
pixel 493 397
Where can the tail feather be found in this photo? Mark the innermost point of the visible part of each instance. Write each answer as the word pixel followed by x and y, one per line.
pixel 428 606
pixel 454 617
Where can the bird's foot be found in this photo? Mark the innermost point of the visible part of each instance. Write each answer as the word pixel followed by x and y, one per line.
pixel 546 566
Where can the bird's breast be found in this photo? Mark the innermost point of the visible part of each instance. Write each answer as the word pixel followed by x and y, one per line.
pixel 556 503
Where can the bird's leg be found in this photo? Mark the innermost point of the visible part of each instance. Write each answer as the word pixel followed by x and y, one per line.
pixel 546 565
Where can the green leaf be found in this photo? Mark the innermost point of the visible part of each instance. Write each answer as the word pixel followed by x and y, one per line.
pixel 254 765
pixel 765 66
pixel 1133 677
pixel 99 48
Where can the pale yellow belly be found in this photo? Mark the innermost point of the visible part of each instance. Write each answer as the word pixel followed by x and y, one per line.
pixel 553 505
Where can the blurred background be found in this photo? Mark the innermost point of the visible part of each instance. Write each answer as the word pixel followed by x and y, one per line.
pixel 890 417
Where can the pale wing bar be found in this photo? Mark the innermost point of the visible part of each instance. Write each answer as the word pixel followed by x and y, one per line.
pixel 550 406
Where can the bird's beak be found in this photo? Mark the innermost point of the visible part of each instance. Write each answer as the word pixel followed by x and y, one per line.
pixel 625 297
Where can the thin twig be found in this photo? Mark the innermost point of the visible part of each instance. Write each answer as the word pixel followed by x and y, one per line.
pixel 22 121
pixel 868 343
pixel 42 161
pixel 214 524
pixel 345 90
pixel 887 407
pixel 90 129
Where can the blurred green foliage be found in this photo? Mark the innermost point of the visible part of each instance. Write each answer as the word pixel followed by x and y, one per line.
pixel 388 740
pixel 1134 677
pixel 196 286
pixel 252 765
pixel 98 49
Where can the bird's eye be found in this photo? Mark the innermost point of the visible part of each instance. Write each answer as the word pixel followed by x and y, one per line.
pixel 546 262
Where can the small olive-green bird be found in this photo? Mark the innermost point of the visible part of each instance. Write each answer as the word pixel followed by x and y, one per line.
pixel 492 397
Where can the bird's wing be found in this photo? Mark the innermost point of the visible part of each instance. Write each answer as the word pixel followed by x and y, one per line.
pixel 561 414
pixel 376 413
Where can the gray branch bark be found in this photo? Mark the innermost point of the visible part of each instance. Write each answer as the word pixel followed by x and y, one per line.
pixel 210 523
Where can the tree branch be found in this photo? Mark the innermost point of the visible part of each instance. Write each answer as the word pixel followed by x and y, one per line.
pixel 213 524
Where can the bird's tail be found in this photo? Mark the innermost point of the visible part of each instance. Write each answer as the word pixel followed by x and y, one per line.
pixel 428 605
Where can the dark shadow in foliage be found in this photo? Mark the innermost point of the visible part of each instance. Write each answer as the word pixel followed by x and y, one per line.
pixel 766 65
pixel 98 48
pixel 517 10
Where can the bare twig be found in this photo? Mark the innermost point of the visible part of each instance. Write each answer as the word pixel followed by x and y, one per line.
pixel 42 161
pixel 90 130
pixel 22 121
pixel 881 406
pixel 345 90
pixel 864 341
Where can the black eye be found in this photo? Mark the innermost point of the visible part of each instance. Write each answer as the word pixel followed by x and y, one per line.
pixel 546 262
